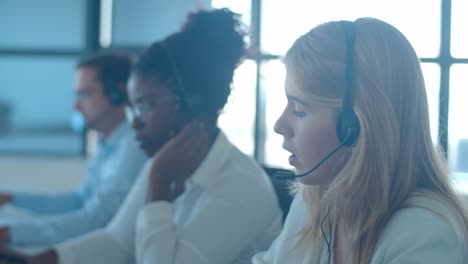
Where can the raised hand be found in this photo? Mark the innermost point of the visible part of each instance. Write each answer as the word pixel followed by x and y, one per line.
pixel 177 160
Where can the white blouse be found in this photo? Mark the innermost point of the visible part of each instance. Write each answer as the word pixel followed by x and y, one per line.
pixel 422 234
pixel 228 212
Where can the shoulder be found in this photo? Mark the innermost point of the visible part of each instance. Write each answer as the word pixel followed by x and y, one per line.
pixel 128 140
pixel 240 169
pixel 127 148
pixel 425 232
pixel 283 249
pixel 244 184
pixel 243 176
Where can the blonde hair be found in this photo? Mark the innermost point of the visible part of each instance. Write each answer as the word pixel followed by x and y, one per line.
pixel 394 157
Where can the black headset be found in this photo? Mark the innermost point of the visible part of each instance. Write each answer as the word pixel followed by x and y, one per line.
pixel 111 90
pixel 192 104
pixel 347 125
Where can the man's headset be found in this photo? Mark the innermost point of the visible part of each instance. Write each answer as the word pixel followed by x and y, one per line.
pixel 347 124
pixel 116 96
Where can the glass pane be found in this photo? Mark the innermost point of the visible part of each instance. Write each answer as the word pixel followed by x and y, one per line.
pixel 47 24
pixel 36 105
pixel 241 7
pixel 273 75
pixel 431 73
pixel 457 125
pixel 459 33
pixel 284 21
pixel 238 117
pixel 149 20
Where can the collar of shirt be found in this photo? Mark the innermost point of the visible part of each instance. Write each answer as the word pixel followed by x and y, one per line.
pixel 209 170
pixel 121 131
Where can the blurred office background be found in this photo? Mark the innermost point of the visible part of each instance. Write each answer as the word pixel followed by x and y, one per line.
pixel 42 142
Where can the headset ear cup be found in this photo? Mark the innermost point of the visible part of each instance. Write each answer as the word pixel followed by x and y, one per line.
pixel 115 95
pixel 348 128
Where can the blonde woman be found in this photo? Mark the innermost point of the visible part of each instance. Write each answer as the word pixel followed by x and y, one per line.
pixel 378 191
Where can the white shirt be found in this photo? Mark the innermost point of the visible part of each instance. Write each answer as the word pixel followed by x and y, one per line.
pixel 227 213
pixel 422 234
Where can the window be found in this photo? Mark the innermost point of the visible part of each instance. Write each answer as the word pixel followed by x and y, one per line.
pixel 45 24
pixel 142 23
pixel 242 7
pixel 37 105
pixel 32 45
pixel 273 77
pixel 431 72
pixel 284 21
pixel 459 36
pixel 238 117
pixel 458 125
pixel 40 43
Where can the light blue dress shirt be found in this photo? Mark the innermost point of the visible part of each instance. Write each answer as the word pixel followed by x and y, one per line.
pixel 59 217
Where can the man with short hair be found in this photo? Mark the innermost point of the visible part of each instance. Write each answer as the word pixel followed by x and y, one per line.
pixel 100 90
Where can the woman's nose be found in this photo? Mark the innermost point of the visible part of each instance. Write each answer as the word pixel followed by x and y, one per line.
pixel 281 126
